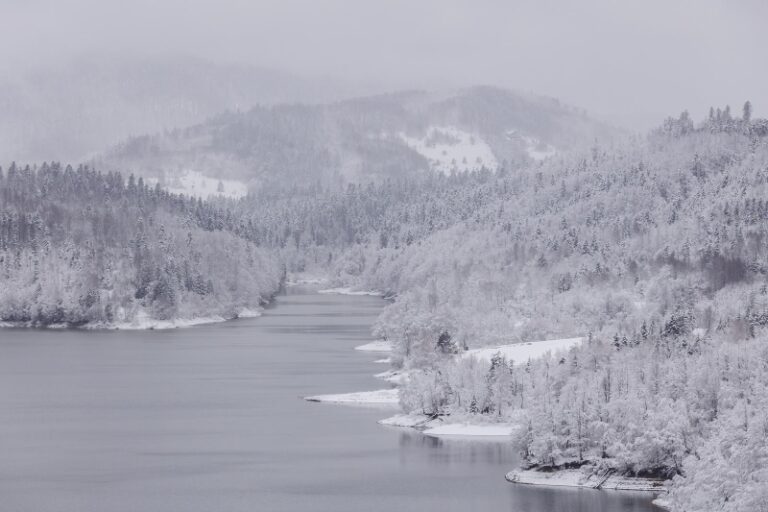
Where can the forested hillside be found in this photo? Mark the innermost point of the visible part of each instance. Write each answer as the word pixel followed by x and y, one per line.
pixel 655 250
pixel 80 247
pixel 367 139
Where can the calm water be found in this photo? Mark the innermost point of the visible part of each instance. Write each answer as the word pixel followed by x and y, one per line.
pixel 211 419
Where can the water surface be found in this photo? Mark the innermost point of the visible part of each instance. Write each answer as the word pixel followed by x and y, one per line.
pixel 211 419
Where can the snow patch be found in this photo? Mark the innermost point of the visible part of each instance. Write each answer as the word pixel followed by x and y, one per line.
pixel 586 479
pixel 436 426
pixel 144 322
pixel 386 360
pixel 467 429
pixel 197 184
pixel 249 313
pixel 520 353
pixel 376 346
pixel 447 148
pixel 301 279
pixel 397 377
pixel 405 420
pixel 381 396
pixel 350 291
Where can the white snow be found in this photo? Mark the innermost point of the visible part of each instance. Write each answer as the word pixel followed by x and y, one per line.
pixel 378 397
pixel 197 184
pixel 249 313
pixel 587 479
pixel 405 420
pixel 397 377
pixel 300 278
pixel 144 322
pixel 376 346
pixel 448 148
pixel 467 429
pixel 520 353
pixel 350 291
pixel 436 427
pixel 386 360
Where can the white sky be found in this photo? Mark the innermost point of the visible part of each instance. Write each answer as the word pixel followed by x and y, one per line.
pixel 631 62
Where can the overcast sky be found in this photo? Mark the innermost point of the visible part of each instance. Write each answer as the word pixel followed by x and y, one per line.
pixel 628 62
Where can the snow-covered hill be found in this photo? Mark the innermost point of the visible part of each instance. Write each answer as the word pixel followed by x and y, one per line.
pixel 372 138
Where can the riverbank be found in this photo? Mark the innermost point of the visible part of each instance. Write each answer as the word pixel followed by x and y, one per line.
pixel 141 322
pixel 446 426
pixel 585 477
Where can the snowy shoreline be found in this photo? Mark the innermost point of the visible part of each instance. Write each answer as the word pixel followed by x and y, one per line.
pixel 350 291
pixel 449 427
pixel 140 323
pixel 387 397
pixel 586 480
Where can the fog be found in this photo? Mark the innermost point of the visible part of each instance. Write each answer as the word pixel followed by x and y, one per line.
pixel 629 64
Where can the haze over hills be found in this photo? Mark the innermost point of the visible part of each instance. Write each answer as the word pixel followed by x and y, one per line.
pixel 73 110
pixel 362 139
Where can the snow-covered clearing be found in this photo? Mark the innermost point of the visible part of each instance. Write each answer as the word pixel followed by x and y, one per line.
pixel 586 479
pixel 197 184
pixel 350 291
pixel 376 346
pixel 448 148
pixel 378 397
pixel 520 353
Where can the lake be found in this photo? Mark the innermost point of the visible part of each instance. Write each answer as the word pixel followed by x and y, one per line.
pixel 211 418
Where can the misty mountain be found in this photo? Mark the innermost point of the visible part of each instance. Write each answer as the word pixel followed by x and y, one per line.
pixel 71 111
pixel 365 139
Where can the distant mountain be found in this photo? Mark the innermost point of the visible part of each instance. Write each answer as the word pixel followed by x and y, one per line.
pixel 361 139
pixel 70 112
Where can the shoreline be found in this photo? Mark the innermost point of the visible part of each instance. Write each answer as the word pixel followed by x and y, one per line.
pixel 142 323
pixel 577 478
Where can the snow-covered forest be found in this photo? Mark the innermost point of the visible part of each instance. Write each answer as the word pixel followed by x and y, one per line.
pixel 653 249
pixel 81 247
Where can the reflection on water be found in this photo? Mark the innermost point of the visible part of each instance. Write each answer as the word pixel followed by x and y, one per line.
pixel 211 418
